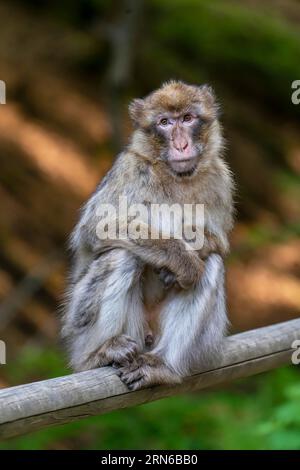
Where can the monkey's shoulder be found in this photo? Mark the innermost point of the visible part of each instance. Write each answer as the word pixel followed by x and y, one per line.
pixel 216 181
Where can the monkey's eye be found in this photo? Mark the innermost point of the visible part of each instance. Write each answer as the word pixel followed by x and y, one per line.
pixel 187 118
pixel 164 122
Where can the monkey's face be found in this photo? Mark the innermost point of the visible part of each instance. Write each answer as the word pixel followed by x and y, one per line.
pixel 179 133
pixel 178 124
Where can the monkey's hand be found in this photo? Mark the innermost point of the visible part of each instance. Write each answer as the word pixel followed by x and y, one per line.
pixel 190 274
pixel 166 277
pixel 170 256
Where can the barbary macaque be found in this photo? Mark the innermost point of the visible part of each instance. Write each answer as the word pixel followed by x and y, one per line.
pixel 154 307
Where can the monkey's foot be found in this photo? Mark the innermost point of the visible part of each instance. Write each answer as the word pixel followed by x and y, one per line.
pixel 146 370
pixel 119 350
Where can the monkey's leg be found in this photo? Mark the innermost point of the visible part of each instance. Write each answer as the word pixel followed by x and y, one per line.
pixel 192 324
pixel 104 320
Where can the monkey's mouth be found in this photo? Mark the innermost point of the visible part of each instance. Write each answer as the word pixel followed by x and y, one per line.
pixel 186 173
pixel 184 167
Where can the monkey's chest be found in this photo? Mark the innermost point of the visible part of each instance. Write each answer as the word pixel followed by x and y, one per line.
pixel 168 221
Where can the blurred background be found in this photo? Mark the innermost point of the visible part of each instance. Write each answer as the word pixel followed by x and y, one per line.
pixel 70 69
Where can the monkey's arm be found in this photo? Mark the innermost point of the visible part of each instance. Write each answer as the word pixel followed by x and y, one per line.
pixel 171 254
pixel 214 243
pixel 218 216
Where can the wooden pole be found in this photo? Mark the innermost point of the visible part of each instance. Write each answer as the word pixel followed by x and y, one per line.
pixel 30 407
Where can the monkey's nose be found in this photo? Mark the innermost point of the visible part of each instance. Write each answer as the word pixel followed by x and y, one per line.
pixel 181 145
pixel 185 145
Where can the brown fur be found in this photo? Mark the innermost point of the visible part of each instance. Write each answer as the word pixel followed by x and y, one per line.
pixel 175 97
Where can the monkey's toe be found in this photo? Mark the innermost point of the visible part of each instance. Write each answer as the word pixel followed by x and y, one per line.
pixel 134 376
pixel 130 377
pixel 137 385
pixel 146 370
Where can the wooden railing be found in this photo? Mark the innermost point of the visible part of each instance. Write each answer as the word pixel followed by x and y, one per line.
pixel 33 406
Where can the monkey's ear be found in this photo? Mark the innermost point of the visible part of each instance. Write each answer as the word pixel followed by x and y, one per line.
pixel 136 110
pixel 209 94
pixel 210 100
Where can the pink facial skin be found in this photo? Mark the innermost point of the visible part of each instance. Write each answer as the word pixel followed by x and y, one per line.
pixel 178 131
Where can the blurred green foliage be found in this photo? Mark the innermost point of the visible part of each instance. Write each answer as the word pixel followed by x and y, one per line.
pixel 227 43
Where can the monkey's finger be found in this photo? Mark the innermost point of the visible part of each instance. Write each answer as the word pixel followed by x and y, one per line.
pixel 130 355
pixel 167 277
